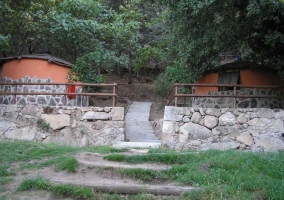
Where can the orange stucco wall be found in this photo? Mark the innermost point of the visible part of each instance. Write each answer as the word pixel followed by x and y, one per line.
pixel 247 77
pixel 207 79
pixel 42 69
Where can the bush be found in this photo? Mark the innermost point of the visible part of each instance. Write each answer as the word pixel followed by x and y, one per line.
pixel 163 84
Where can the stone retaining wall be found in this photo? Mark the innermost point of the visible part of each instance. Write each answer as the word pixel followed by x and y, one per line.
pixel 221 102
pixel 73 126
pixel 50 100
pixel 209 128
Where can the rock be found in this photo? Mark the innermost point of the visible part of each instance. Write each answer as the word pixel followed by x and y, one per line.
pixel 243 118
pixel 30 110
pixel 173 113
pixel 186 119
pixel 269 143
pixel 210 121
pixel 185 111
pixel 25 133
pixel 196 117
pixel 107 109
pixel 91 115
pixel 194 131
pixel 98 125
pixel 227 118
pixel 64 137
pixel 117 114
pixel 225 145
pixel 196 143
pixel 213 112
pixel 279 114
pixel 56 122
pixel 167 138
pixel 225 130
pixel 245 138
pixel 201 111
pixel 265 124
pixel 264 113
pixel 5 126
pixel 168 127
pixel 10 108
pixel 254 133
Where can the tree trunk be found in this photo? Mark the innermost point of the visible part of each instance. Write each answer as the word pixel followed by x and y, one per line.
pixel 130 74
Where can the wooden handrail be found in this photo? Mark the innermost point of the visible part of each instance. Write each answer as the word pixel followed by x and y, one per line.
pixel 177 95
pixel 113 94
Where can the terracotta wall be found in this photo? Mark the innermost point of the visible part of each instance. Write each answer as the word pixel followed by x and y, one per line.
pixel 207 79
pixel 247 77
pixel 42 69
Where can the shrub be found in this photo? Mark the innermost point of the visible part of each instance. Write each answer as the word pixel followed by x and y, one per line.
pixel 163 85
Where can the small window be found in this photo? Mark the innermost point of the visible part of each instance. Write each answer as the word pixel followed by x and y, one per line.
pixel 228 78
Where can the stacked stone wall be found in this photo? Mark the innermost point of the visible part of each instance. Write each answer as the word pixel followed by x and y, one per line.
pixel 221 102
pixel 73 126
pixel 208 128
pixel 50 100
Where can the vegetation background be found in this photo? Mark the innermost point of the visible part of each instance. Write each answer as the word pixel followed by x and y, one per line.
pixel 180 38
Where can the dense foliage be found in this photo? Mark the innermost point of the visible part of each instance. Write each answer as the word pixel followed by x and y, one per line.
pixel 253 30
pixel 186 36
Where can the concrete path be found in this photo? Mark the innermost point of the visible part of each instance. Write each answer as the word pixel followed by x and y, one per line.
pixel 139 131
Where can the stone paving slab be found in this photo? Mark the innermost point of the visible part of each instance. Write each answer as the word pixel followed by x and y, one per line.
pixel 137 125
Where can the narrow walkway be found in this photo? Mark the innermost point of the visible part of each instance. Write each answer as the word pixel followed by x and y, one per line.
pixel 139 131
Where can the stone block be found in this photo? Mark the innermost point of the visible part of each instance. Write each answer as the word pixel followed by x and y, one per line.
pixel 64 137
pixel 117 114
pixel 172 113
pixel 227 118
pixel 210 121
pixel 264 113
pixel 91 115
pixel 268 142
pixel 168 127
pixel 30 110
pixel 196 117
pixel 25 133
pixel 194 131
pixel 225 145
pixel 245 138
pixel 213 111
pixel 58 121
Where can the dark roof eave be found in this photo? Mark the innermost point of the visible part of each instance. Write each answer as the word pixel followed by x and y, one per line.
pixel 238 65
pixel 47 57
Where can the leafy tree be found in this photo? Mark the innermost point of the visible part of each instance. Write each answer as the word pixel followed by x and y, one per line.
pixel 202 29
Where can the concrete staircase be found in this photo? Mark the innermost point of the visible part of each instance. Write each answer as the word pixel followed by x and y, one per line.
pixel 139 131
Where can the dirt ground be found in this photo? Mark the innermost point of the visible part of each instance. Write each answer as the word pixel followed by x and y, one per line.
pixel 94 172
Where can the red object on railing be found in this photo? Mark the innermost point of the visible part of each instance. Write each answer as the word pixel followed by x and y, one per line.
pixel 71 89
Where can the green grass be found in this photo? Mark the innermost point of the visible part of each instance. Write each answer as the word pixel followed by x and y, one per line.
pixel 221 174
pixel 60 190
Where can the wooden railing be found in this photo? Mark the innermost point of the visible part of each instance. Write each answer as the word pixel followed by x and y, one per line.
pixel 66 93
pixel 174 92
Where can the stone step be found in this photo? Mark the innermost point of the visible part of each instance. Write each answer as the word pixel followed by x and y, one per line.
pixel 140 145
pixel 136 117
pixel 128 188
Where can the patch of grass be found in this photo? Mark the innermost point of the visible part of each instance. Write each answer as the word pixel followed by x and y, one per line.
pixel 143 174
pixel 37 183
pixel 5 180
pixel 61 190
pixel 222 174
pixel 73 191
pixel 18 151
pixel 106 149
pixel 68 163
